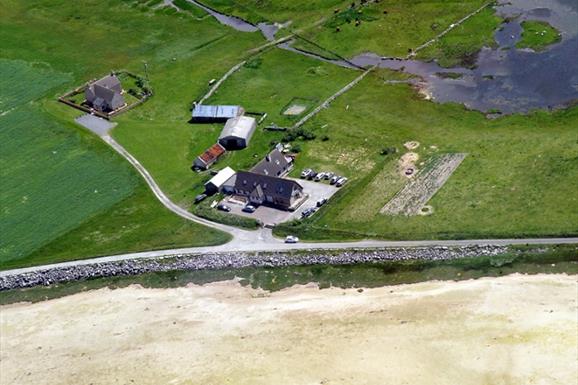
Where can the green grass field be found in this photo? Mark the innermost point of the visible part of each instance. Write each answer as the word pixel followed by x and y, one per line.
pixel 301 13
pixel 519 178
pixel 538 35
pixel 163 140
pixel 460 46
pixel 405 26
pixel 65 195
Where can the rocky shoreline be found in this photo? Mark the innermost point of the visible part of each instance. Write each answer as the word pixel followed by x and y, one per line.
pixel 219 261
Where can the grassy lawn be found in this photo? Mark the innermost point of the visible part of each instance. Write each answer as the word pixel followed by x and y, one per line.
pixel 519 178
pixel 537 35
pixel 405 26
pixel 65 195
pixel 160 136
pixel 300 12
pixel 460 46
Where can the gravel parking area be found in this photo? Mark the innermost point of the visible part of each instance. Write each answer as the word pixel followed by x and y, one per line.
pixel 270 216
pixel 95 124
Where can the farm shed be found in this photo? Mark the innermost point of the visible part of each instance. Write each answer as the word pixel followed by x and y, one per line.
pixel 268 190
pixel 274 164
pixel 217 182
pixel 105 95
pixel 215 114
pixel 237 132
pixel 210 156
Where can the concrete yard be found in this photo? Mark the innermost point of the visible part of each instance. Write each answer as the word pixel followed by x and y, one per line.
pixel 514 330
pixel 99 126
pixel 315 191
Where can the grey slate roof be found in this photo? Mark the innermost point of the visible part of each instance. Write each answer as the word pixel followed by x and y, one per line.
pixel 105 93
pixel 274 164
pixel 263 184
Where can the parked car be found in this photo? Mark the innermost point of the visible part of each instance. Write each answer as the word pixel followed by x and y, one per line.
pixel 249 209
pixel 199 198
pixel 307 213
pixel 334 179
pixel 319 176
pixel 321 202
pixel 305 173
pixel 328 175
pixel 341 182
pixel 291 239
pixel 223 207
pixel 312 175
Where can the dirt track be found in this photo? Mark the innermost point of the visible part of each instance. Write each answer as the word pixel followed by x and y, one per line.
pixel 511 330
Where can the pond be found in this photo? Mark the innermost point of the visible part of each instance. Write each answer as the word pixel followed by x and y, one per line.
pixel 504 80
pixel 507 79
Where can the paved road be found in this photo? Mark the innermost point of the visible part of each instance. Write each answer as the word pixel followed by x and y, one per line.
pixel 263 240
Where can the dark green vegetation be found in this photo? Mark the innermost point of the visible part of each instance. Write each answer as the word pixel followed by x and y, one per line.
pixel 528 260
pixel 390 27
pixel 301 13
pixel 518 179
pixel 460 46
pixel 537 35
pixel 64 194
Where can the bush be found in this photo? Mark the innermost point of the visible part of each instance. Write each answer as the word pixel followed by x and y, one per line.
pixel 300 132
pixel 254 63
pixel 388 150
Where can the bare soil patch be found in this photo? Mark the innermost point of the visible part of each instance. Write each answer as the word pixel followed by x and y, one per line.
pixel 517 330
pixel 418 191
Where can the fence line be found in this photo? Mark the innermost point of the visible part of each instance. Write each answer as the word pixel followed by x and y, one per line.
pixel 329 100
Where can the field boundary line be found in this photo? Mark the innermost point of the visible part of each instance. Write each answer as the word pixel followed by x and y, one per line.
pixel 448 29
pixel 329 100
pixel 413 197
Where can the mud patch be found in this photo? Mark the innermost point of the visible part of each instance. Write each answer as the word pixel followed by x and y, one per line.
pixel 295 109
pixel 411 200
pixel 412 145
pixel 407 165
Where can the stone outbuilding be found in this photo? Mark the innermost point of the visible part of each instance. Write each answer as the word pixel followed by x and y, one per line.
pixel 209 157
pixel 237 132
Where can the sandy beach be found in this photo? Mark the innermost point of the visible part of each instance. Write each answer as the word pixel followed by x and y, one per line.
pixel 512 330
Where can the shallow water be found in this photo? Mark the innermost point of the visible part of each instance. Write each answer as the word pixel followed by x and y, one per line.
pixel 507 79
pixel 504 79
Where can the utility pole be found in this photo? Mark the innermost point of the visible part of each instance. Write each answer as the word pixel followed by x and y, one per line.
pixel 146 69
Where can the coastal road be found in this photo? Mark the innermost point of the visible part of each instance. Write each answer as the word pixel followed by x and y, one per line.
pixel 263 241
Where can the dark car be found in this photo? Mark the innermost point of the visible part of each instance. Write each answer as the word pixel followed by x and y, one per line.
pixel 249 209
pixel 312 175
pixel 307 213
pixel 199 198
pixel 223 207
pixel 321 202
